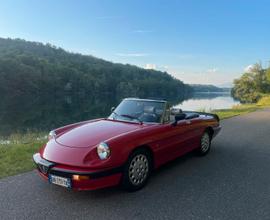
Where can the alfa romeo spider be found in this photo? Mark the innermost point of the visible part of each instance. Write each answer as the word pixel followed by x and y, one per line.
pixel 123 149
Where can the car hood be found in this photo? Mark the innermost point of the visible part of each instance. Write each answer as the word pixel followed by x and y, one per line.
pixel 93 133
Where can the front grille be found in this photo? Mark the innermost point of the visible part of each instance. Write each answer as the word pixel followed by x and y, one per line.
pixel 42 164
pixel 44 169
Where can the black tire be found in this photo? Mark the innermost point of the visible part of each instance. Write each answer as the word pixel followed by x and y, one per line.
pixel 137 170
pixel 205 144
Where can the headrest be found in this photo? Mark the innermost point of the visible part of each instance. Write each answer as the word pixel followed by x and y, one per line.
pixel 176 111
pixel 149 109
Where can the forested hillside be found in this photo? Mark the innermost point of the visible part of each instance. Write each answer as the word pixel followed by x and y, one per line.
pixel 43 87
pixel 208 88
pixel 28 68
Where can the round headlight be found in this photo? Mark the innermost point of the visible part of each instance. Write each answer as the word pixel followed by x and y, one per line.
pixel 103 151
pixel 52 135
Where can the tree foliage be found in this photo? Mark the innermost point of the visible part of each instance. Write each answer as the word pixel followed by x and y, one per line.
pixel 250 86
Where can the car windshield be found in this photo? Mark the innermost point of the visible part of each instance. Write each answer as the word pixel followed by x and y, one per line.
pixel 139 110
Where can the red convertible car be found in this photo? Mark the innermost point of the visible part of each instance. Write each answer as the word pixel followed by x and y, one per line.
pixel 140 135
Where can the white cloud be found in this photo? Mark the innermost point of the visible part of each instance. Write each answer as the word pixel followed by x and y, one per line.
pixel 248 69
pixel 150 66
pixel 141 31
pixel 132 54
pixel 165 67
pixel 200 76
pixel 108 17
pixel 212 70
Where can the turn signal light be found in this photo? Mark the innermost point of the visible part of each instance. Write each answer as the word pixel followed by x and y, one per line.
pixel 79 177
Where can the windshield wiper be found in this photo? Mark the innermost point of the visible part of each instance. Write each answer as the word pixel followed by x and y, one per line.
pixel 131 117
pixel 128 116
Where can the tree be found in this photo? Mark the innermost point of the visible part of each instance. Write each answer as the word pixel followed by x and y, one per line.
pixel 251 86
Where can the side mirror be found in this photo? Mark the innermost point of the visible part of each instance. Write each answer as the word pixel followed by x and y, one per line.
pixel 178 117
pixel 112 109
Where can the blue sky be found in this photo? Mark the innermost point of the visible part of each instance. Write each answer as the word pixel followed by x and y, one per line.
pixel 208 42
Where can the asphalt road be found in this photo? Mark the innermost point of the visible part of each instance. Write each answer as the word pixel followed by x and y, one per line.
pixel 232 182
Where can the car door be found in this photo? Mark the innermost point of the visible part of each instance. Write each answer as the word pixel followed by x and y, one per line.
pixel 191 139
pixel 171 141
pixel 175 140
pixel 183 136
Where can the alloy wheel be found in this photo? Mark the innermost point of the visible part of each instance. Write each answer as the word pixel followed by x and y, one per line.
pixel 138 169
pixel 205 142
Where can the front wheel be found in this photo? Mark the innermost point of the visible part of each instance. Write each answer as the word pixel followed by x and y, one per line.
pixel 205 144
pixel 137 170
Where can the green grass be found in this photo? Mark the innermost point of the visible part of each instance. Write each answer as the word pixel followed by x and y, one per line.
pixel 243 108
pixel 16 152
pixel 17 158
pixel 236 110
pixel 264 101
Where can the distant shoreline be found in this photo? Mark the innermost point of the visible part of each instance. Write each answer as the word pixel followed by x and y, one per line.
pixel 212 92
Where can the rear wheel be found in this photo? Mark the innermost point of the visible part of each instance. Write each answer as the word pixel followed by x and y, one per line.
pixel 205 144
pixel 137 170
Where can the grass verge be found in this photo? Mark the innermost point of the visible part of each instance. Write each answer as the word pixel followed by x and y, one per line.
pixel 243 108
pixel 236 110
pixel 17 158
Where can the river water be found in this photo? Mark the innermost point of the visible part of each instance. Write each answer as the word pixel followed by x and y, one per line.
pixel 20 116
pixel 208 102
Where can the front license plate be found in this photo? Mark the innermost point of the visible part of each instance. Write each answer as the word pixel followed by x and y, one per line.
pixel 60 181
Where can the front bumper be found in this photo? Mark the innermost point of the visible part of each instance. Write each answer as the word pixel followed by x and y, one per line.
pixel 96 178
